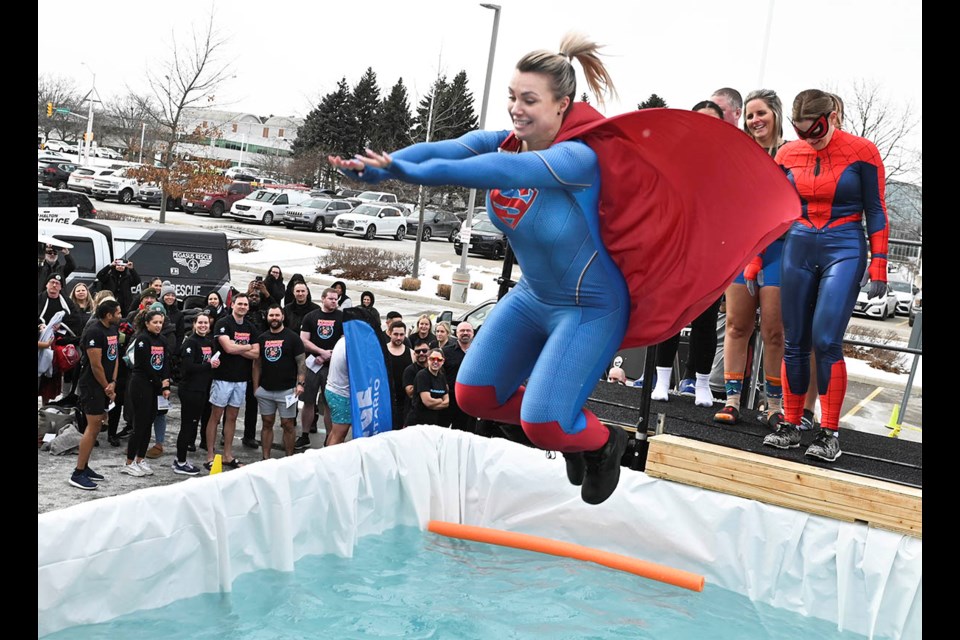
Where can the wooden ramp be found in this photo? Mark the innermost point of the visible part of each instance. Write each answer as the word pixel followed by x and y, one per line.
pixel 787 484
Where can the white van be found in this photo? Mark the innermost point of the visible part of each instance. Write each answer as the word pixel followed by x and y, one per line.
pixel 267 206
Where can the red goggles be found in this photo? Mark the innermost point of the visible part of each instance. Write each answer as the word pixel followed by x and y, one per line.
pixel 817 130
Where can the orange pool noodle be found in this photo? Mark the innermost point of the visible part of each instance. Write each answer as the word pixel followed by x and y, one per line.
pixel 642 568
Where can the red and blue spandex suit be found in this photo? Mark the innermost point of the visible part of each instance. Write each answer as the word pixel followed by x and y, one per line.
pixel 571 306
pixel 824 257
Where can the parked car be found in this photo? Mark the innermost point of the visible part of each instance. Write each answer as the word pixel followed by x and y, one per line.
pixel 149 196
pixel 267 205
pixel 120 186
pixel 316 214
pixel 63 206
pixel 904 292
pixel 915 307
pixel 475 316
pixel 372 220
pixel 485 239
pixel 380 197
pixel 82 179
pixel 60 146
pixel 880 308
pixel 106 152
pixel 215 203
pixel 55 174
pixel 436 224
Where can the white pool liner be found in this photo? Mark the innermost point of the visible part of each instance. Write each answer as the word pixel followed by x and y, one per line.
pixel 143 550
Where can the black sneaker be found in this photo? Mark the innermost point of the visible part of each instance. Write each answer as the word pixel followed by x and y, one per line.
pixel 808 422
pixel 787 436
pixel 192 447
pixel 602 473
pixel 125 432
pixel 303 442
pixel 80 480
pixel 93 475
pixel 114 441
pixel 826 446
pixel 576 466
pixel 251 443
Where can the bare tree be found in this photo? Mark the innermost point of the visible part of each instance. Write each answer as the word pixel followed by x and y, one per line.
pixel 62 92
pixel 189 78
pixel 124 119
pixel 869 114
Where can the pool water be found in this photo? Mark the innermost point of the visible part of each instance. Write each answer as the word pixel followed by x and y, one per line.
pixel 409 583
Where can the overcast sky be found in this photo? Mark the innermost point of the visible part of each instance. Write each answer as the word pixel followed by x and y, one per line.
pixel 286 54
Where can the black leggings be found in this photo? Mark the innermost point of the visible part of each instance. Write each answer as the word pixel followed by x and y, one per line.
pixel 192 405
pixel 703 344
pixel 142 400
pixel 113 417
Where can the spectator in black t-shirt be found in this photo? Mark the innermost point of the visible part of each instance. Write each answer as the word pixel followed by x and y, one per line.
pixel 97 385
pixel 197 366
pixel 454 354
pixel 251 411
pixel 236 341
pixel 431 396
pixel 320 331
pixel 420 351
pixel 280 372
pixel 399 356
pixel 296 311
pixel 123 280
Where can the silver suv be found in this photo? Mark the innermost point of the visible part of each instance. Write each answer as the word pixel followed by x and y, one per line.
pixel 316 214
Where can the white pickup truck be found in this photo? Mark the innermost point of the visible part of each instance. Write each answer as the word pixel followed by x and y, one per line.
pixel 119 186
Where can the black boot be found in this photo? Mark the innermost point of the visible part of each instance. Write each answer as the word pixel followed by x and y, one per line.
pixel 603 467
pixel 576 466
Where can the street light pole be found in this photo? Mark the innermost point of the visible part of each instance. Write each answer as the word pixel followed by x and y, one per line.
pixel 461 277
pixel 88 136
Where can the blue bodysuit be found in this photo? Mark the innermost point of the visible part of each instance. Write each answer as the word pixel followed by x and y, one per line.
pixel 560 326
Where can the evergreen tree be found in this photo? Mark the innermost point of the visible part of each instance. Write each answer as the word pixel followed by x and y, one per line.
pixel 394 120
pixel 453 113
pixel 331 128
pixel 653 102
pixel 365 104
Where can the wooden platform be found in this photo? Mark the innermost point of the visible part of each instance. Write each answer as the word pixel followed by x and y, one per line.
pixel 788 484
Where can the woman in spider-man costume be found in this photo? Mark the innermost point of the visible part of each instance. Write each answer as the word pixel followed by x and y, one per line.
pixel 840 179
pixel 590 206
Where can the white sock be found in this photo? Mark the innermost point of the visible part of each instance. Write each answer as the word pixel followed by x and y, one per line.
pixel 704 394
pixel 662 389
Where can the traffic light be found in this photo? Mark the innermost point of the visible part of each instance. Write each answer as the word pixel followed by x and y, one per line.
pixel 49 109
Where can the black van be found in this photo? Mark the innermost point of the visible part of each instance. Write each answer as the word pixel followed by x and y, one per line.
pixel 195 262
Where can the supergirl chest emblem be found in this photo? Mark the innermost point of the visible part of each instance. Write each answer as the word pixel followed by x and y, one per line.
pixel 511 205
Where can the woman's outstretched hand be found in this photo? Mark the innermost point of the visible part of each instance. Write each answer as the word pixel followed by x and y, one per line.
pixel 360 162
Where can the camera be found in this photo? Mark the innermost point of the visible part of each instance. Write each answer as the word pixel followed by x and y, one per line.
pixel 259 278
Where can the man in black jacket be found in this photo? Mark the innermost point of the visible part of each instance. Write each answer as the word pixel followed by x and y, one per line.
pixel 51 264
pixel 123 280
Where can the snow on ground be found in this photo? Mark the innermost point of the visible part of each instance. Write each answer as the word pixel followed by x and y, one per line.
pixel 295 257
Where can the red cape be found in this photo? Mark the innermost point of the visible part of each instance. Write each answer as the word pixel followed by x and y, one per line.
pixel 686 201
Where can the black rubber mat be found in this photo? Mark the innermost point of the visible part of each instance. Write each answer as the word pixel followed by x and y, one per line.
pixel 864 454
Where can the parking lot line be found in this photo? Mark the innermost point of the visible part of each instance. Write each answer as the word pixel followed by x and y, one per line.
pixel 860 405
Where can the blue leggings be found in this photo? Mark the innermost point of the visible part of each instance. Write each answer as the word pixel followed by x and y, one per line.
pixel 560 350
pixel 820 280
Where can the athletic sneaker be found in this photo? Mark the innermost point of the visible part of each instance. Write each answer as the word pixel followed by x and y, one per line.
pixel 144 467
pixel 93 475
pixel 808 422
pixel 185 469
pixel 787 436
pixel 688 387
pixel 132 469
pixel 303 442
pixel 826 446
pixel 80 480
pixel 576 466
pixel 603 467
